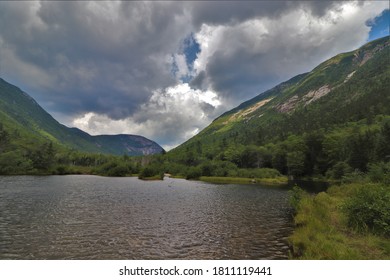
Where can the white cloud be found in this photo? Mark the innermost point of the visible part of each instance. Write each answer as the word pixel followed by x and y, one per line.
pixel 171 115
pixel 241 59
pixel 181 64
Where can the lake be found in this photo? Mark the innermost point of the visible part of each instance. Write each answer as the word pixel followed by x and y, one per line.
pixel 91 217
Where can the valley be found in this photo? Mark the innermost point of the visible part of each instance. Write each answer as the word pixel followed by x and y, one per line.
pixel 330 124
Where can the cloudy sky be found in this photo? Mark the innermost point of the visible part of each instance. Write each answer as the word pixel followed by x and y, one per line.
pixel 165 70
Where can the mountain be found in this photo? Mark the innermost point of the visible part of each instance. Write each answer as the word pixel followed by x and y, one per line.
pixel 19 112
pixel 337 115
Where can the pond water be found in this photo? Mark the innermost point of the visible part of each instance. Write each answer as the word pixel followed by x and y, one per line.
pixel 91 217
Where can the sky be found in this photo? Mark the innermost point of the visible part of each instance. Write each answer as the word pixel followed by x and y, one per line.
pixel 164 69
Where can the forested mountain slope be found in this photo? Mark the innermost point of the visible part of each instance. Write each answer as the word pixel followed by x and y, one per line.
pixel 328 121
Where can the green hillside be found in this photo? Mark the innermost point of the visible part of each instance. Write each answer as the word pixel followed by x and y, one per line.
pixel 19 111
pixel 33 142
pixel 328 122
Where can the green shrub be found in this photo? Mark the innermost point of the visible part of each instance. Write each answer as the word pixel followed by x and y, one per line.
pixel 259 173
pixel 379 173
pixel 295 197
pixel 194 173
pixel 354 177
pixel 368 209
pixel 151 172
pixel 146 172
pixel 339 170
pixel 14 162
pixel 119 170
pixel 222 168
pixel 114 169
pixel 62 170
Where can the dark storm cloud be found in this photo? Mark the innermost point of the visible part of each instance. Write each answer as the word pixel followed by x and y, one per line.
pixel 220 12
pixel 234 70
pixel 99 57
pixel 239 76
pixel 231 12
pixel 199 81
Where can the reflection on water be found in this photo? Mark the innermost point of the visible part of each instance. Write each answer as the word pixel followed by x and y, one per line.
pixel 310 186
pixel 88 217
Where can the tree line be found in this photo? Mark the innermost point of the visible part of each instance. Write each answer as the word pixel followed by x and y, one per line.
pixel 348 148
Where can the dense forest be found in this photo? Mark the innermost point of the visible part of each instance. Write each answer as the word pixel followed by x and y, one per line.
pixel 18 156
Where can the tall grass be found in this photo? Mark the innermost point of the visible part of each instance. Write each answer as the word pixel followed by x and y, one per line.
pixel 323 232
pixel 239 180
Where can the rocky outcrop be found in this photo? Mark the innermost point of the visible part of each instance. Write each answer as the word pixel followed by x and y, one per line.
pixel 314 95
pixel 289 105
pixel 308 98
pixel 361 57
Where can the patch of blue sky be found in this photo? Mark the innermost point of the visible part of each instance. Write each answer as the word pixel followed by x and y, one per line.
pixel 379 26
pixel 190 49
pixel 186 78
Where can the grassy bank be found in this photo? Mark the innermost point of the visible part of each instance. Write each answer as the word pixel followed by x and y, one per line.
pixel 152 178
pixel 239 180
pixel 326 229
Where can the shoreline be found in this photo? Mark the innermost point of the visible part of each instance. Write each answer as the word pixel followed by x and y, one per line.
pixel 245 181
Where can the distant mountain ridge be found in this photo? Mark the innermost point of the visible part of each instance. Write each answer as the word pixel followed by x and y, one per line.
pixel 20 111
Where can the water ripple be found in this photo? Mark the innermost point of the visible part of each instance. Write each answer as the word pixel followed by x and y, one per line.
pixel 89 217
